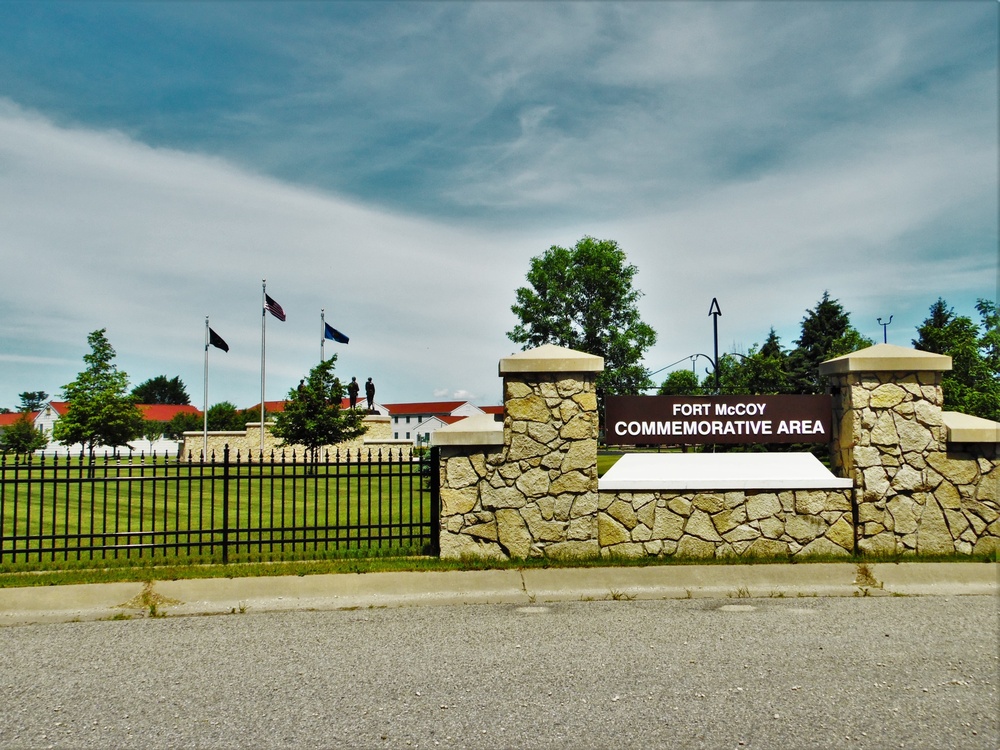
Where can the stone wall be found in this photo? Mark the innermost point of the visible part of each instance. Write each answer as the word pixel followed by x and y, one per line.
pixel 747 523
pixel 918 490
pixel 536 494
pixel 530 489
pixel 378 437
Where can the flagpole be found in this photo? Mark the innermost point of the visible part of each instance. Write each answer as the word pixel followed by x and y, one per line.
pixel 322 334
pixel 263 338
pixel 204 428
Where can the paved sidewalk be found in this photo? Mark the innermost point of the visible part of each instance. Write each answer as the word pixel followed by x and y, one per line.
pixel 519 587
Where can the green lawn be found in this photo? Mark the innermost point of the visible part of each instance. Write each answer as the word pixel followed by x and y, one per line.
pixel 605 462
pixel 57 510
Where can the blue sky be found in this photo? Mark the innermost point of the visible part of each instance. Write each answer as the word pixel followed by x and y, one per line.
pixel 399 164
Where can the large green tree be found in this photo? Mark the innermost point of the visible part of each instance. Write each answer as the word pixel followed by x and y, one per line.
pixel 313 417
pixel 583 298
pixel 826 333
pixel 972 386
pixel 101 410
pixel 161 390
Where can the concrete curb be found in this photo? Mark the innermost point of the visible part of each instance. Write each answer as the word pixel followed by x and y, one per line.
pixel 87 602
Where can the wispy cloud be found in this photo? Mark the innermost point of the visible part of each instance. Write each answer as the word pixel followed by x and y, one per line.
pixel 149 241
pixel 398 164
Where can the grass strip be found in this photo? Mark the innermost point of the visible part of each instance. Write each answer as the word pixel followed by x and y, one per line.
pixel 150 571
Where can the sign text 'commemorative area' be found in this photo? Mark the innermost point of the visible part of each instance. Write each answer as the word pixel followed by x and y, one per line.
pixel 673 420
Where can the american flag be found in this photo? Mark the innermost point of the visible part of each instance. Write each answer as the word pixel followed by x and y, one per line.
pixel 274 308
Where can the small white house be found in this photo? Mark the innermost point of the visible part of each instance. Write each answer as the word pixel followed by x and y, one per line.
pixel 51 412
pixel 418 420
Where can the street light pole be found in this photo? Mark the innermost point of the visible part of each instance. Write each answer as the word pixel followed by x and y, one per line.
pixel 714 311
pixel 885 336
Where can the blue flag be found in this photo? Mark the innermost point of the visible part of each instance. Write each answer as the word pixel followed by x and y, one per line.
pixel 335 335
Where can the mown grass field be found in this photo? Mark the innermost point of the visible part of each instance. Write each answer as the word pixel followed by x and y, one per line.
pixel 73 510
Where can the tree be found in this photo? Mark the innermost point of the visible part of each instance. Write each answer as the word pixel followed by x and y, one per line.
pixel 680 383
pixel 826 333
pixel 32 400
pixel 101 411
pixel 224 416
pixel 972 386
pixel 183 422
pixel 22 436
pixel 160 390
pixel 582 298
pixel 313 417
pixel 762 370
pixel 152 431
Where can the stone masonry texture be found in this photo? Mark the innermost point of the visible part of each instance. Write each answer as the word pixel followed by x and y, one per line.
pixel 537 494
pixel 916 493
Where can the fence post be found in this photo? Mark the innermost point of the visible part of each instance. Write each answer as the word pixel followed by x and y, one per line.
pixel 435 501
pixel 225 504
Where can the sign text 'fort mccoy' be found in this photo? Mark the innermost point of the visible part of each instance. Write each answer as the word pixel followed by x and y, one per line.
pixel 675 420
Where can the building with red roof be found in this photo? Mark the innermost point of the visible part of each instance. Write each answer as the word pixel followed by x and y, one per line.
pixel 166 412
pixel 9 418
pixel 46 418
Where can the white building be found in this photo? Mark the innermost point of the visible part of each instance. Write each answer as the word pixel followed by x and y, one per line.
pixel 416 421
pixel 51 412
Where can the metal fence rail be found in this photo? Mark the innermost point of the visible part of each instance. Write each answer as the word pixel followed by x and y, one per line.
pixel 62 508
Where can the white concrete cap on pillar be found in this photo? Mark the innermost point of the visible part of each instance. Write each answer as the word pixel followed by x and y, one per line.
pixel 481 429
pixel 965 428
pixel 551 358
pixel 886 358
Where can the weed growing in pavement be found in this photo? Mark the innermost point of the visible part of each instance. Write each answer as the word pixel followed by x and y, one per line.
pixel 621 596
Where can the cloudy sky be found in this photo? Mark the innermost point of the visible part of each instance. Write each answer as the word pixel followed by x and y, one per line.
pixel 399 164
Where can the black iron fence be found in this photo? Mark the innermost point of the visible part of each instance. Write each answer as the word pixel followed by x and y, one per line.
pixel 226 508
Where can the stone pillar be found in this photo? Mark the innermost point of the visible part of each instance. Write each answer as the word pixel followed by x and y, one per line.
pixel 537 494
pixel 888 433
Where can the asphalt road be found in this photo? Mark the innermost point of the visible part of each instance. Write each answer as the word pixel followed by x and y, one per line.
pixel 889 672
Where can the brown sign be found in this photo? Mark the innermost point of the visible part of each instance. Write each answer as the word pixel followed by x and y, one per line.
pixel 680 420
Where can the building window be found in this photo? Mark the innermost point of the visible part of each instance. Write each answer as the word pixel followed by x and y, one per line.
pixel 407 436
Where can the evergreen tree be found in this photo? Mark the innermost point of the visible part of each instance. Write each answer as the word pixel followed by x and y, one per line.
pixel 32 400
pixel 771 348
pixel 972 386
pixel 313 417
pixel 826 333
pixel 101 411
pixel 767 369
